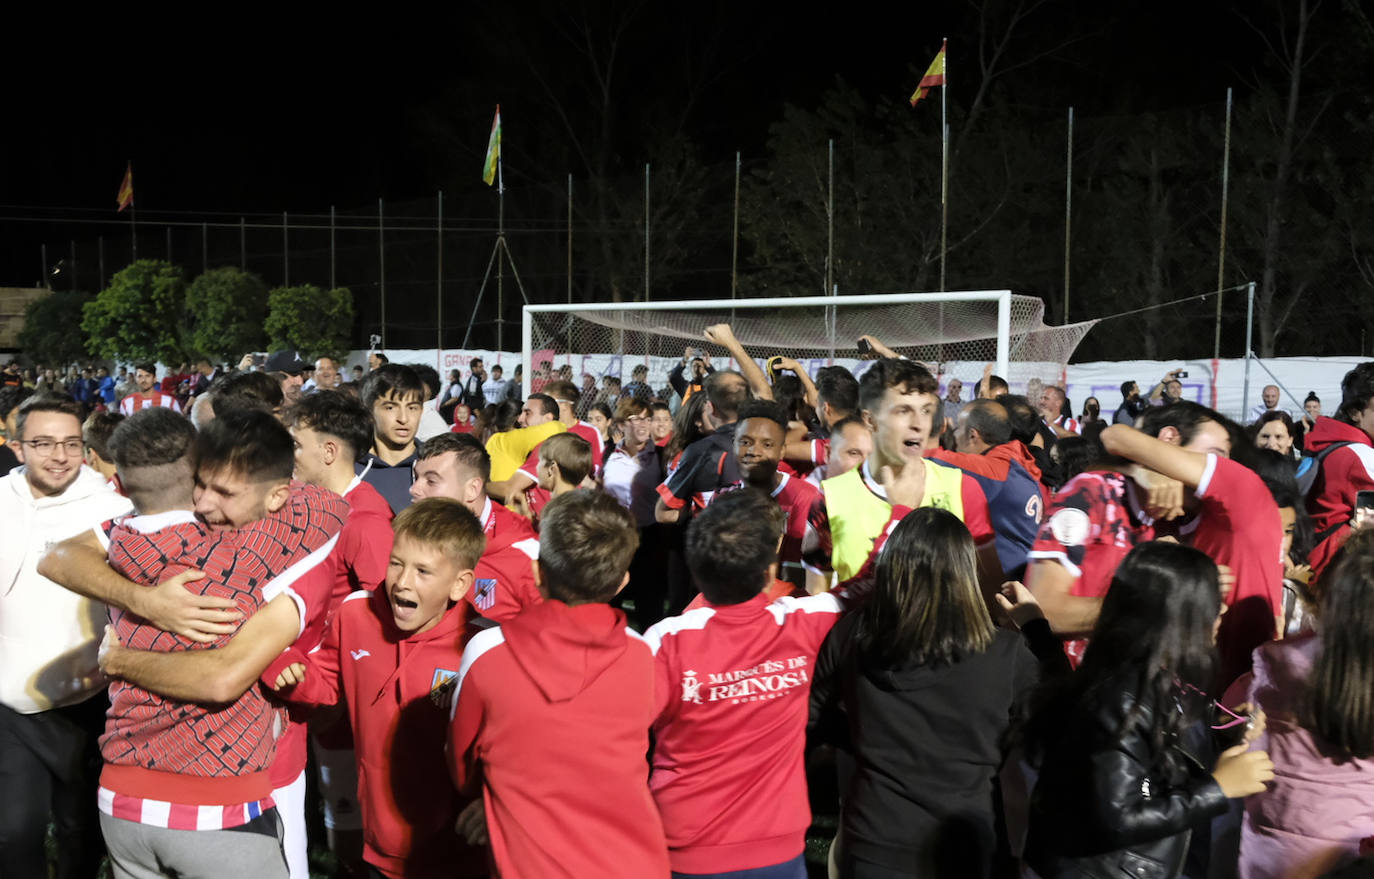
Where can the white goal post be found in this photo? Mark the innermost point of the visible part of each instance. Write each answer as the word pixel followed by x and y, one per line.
pixel 967 327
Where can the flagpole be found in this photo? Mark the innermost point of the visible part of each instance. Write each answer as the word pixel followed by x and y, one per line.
pixel 501 243
pixel 439 283
pixel 133 212
pixel 944 164
pixel 1221 249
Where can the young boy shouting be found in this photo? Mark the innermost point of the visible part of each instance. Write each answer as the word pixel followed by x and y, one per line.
pixel 731 691
pixel 552 712
pixel 394 654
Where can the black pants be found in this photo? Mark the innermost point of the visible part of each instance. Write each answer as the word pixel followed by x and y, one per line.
pixel 49 769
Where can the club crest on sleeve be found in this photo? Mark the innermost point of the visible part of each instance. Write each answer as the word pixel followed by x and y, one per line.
pixel 441 686
pixel 484 593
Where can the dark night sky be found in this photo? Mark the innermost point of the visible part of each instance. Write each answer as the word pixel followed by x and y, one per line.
pixel 286 110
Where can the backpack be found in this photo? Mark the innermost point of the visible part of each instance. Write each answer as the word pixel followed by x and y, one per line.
pixel 1310 465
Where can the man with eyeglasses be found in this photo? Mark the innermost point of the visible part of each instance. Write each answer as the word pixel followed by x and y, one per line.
pixel 52 694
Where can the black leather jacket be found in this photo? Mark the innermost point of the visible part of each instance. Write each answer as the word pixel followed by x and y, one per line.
pixel 1107 805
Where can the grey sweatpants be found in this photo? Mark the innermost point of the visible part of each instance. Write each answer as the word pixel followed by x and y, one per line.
pixel 142 851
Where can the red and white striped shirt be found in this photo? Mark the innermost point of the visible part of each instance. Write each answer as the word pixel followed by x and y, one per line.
pixel 137 402
pixel 179 816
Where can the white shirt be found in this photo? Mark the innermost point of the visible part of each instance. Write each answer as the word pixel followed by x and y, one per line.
pixel 48 636
pixel 633 481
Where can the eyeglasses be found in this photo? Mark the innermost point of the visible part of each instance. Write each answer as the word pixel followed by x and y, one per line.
pixel 637 418
pixel 44 446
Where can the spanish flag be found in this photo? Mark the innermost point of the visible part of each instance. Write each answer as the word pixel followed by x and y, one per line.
pixel 935 75
pixel 493 149
pixel 125 197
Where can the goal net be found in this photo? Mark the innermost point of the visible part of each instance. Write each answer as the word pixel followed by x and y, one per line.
pixel 955 334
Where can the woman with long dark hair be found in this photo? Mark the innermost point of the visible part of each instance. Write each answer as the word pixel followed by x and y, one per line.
pixel 928 687
pixel 1119 792
pixel 1317 694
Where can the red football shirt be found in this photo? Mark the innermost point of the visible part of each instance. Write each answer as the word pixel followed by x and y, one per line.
pixel 1239 527
pixel 1094 521
pixel 796 496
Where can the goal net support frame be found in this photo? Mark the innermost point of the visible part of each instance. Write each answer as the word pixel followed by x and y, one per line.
pixel 1014 334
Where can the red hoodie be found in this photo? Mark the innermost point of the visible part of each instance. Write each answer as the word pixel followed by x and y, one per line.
pixel 731 696
pixel 1345 471
pixel 358 561
pixel 398 688
pixel 551 719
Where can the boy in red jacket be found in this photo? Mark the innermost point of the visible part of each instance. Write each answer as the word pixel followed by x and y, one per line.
pixel 395 654
pixel 731 691
pixel 552 712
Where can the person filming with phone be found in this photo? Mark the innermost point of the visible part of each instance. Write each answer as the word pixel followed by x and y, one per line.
pixel 700 366
pixel 1170 388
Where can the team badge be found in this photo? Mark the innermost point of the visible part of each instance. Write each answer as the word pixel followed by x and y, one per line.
pixel 484 593
pixel 441 686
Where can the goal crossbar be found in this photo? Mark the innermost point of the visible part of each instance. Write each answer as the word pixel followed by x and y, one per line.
pixel 1003 298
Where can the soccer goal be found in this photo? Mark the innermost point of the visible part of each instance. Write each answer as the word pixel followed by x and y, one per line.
pixel 956 334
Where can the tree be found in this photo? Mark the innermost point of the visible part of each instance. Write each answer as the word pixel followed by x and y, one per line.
pixel 225 312
pixel 136 318
pixel 47 334
pixel 316 322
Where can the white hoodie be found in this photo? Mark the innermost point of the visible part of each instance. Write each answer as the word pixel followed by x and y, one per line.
pixel 48 636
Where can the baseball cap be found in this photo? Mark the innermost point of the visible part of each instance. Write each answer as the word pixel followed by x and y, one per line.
pixel 285 361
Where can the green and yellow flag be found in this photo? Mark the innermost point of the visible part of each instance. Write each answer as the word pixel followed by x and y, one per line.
pixel 935 75
pixel 493 149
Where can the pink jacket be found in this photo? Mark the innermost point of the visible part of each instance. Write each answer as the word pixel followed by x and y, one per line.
pixel 1316 811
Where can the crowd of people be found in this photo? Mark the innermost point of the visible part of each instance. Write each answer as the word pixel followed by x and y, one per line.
pixel 608 630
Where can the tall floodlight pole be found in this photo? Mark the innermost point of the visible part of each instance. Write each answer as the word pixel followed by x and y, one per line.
pixel 1221 247
pixel 243 244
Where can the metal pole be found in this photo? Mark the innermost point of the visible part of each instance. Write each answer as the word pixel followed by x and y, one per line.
pixel 243 245
pixel 285 254
pixel 570 239
pixel 500 263
pixel 133 228
pixel 1221 248
pixel 204 247
pixel 734 239
pixel 1068 216
pixel 332 284
pixel 646 232
pixel 1249 335
pixel 100 255
pixel 830 219
pixel 439 286
pixel 944 169
pixel 381 267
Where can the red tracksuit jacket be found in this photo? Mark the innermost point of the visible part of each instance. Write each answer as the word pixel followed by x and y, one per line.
pixel 398 692
pixel 551 720
pixel 731 697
